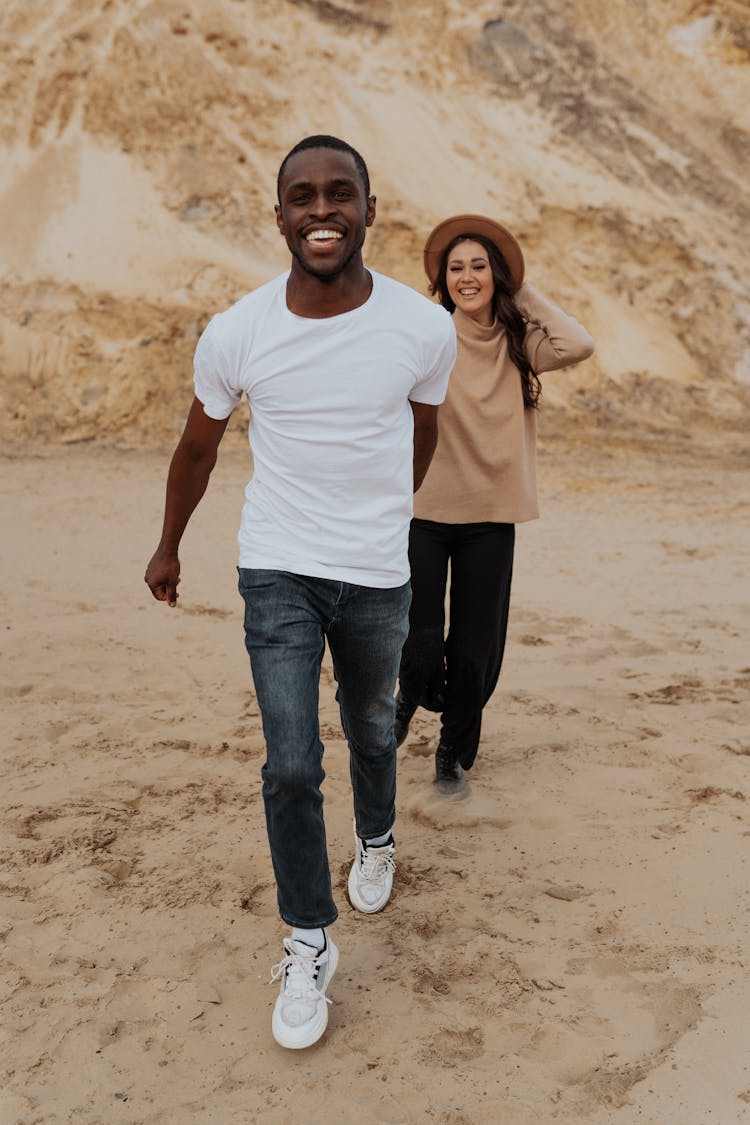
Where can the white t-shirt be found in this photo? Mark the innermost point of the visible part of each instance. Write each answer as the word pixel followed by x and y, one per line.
pixel 331 428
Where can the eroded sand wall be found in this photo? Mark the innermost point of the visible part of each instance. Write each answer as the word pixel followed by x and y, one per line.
pixel 140 143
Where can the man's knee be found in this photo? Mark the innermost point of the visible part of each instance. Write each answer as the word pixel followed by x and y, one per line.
pixel 292 774
pixel 368 724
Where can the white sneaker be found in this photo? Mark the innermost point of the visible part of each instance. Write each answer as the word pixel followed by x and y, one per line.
pixel 371 876
pixel 301 1013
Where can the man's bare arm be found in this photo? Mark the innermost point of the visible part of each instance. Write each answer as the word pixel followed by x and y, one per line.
pixel 189 471
pixel 425 438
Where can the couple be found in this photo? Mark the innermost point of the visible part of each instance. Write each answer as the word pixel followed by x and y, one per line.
pixel 344 370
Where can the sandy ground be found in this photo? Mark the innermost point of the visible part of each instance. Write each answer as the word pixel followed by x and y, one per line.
pixel 568 944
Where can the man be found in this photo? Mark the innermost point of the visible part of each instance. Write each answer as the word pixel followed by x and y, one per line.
pixel 344 370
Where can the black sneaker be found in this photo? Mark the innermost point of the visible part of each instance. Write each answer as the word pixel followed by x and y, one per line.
pixel 449 777
pixel 404 714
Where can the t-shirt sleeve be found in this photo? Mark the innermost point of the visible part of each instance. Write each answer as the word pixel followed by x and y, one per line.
pixel 440 358
pixel 215 383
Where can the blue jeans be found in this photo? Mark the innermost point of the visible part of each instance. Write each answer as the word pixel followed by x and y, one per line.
pixel 287 620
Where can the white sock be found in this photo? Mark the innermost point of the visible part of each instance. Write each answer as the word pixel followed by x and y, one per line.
pixel 378 841
pixel 316 938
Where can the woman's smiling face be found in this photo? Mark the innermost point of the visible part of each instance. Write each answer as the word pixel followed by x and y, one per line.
pixel 471 285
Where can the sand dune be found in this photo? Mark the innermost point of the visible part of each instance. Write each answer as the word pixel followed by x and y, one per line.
pixel 141 139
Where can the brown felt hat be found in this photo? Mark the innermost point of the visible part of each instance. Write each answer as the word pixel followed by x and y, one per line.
pixel 445 232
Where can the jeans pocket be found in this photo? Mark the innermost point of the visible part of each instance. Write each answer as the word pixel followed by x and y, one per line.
pixel 253 578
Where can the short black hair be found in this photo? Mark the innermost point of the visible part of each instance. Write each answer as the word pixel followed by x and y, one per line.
pixel 322 140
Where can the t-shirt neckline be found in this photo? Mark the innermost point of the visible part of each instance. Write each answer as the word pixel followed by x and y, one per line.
pixel 329 319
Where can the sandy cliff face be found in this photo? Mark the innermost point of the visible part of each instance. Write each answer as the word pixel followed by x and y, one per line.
pixel 140 144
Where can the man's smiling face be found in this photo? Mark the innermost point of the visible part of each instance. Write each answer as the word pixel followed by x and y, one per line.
pixel 323 211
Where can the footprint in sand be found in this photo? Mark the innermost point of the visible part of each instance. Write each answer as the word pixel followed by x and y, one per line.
pixel 207 611
pixel 450 1046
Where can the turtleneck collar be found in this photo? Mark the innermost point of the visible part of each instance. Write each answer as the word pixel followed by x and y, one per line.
pixel 471 330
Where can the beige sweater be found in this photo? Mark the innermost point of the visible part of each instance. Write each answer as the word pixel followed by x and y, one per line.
pixel 485 464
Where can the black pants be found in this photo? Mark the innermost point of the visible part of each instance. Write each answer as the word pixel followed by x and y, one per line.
pixel 457 674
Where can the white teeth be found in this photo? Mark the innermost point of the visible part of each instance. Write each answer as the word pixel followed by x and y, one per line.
pixel 320 235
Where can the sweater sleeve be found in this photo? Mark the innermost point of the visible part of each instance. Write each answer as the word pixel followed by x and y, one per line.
pixel 553 339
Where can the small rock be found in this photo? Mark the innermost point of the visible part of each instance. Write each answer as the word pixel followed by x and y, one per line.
pixel 545 985
pixel 207 994
pixel 566 894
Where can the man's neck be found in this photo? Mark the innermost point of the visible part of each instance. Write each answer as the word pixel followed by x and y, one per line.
pixel 317 298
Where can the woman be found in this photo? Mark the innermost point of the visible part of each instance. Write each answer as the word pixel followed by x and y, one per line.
pixel 482 481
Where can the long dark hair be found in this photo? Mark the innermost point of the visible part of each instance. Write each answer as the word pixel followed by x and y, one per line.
pixel 505 309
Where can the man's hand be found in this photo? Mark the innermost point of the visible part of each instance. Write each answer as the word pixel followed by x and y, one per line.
pixel 163 576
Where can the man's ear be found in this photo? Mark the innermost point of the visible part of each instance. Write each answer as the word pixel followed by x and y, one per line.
pixel 279 219
pixel 370 217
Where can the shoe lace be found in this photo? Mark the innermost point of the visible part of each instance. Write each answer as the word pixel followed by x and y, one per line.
pixel 300 974
pixel 377 862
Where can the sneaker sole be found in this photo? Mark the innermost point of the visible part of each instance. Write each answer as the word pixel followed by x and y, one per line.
pixel 291 1038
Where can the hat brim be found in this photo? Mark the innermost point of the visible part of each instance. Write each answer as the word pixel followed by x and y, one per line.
pixel 500 236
